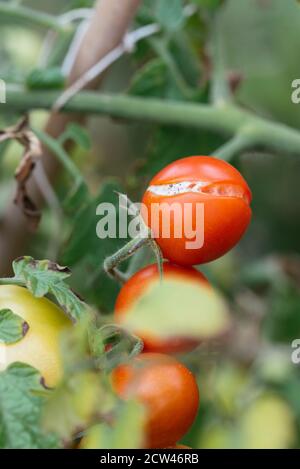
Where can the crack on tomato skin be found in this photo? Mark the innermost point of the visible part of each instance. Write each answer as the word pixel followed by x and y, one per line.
pixel 219 189
pixel 227 190
pixel 176 188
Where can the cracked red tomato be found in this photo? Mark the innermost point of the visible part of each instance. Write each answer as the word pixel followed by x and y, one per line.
pixel 198 208
pixel 168 391
pixel 133 290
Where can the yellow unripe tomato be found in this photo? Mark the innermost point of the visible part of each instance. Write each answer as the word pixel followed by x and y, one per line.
pixel 40 345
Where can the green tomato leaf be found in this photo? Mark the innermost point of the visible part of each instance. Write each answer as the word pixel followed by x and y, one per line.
pixel 68 299
pixel 21 401
pixel 86 252
pixel 43 277
pixel 38 275
pixel 150 80
pixel 83 240
pixel 170 14
pixel 12 326
pixel 176 308
pixel 76 199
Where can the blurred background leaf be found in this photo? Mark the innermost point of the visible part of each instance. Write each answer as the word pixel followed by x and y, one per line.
pixel 173 308
pixel 248 384
pixel 126 433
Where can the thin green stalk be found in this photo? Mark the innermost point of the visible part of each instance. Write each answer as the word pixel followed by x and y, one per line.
pixel 227 120
pixel 11 281
pixel 158 256
pixel 111 262
pixel 25 14
pixel 56 148
pixel 220 90
pixel 222 119
pixel 234 147
pixel 163 52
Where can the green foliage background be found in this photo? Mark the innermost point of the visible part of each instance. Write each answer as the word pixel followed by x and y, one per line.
pixel 250 389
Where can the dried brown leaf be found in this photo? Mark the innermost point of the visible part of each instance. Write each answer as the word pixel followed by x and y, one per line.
pixel 22 133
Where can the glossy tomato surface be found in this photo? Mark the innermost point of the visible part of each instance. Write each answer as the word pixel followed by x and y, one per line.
pixel 181 189
pixel 167 389
pixel 44 323
pixel 133 290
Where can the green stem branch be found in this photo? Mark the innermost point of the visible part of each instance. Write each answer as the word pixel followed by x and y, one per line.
pixel 163 52
pixel 58 150
pixel 111 263
pixel 234 147
pixel 227 120
pixel 11 281
pixel 25 14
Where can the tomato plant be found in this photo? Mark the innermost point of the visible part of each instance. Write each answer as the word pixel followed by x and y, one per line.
pixel 133 290
pixel 167 389
pixel 178 189
pixel 102 102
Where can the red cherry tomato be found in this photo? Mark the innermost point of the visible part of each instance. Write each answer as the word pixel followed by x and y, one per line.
pixel 183 186
pixel 167 389
pixel 137 286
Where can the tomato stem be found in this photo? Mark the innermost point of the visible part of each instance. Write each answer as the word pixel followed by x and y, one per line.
pixel 11 281
pixel 111 262
pixel 227 120
pixel 239 143
pixel 25 14
pixel 158 255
